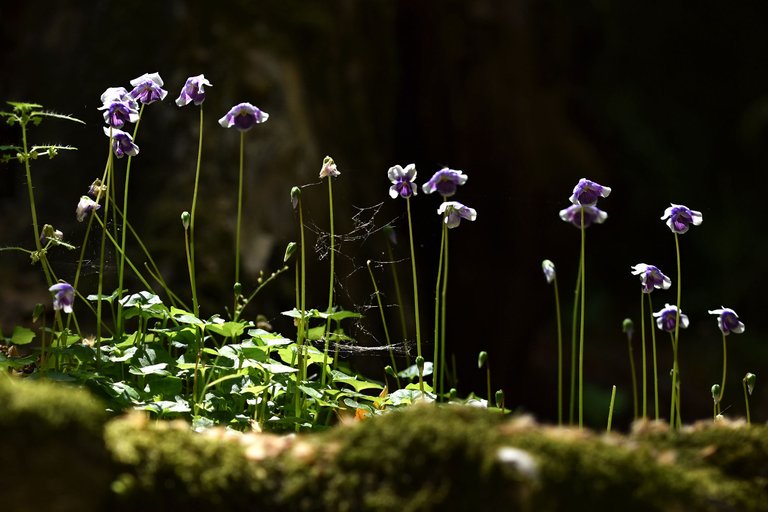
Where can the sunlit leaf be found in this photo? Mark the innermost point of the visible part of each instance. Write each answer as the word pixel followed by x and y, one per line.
pixel 22 336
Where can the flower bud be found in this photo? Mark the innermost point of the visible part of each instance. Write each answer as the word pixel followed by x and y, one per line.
pixel 185 219
pixel 37 312
pixel 390 371
pixel 750 379
pixel 716 392
pixel 289 250
pixel 482 358
pixel 453 394
pixel 500 398
pixel 628 327
pixel 237 288
pixel 420 363
pixel 549 270
pixel 295 196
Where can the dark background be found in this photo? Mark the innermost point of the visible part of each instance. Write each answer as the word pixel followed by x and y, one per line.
pixel 662 102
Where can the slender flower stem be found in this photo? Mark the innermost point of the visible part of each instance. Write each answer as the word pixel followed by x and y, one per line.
pixel 559 353
pixel 655 369
pixel 415 292
pixel 443 316
pixel 330 286
pixel 610 407
pixel 108 182
pixel 301 302
pixel 121 269
pixel 437 364
pixel 632 371
pixel 581 325
pixel 399 297
pixel 746 398
pixel 675 379
pixel 192 270
pixel 725 364
pixel 239 213
pixel 574 325
pixel 642 351
pixel 383 321
pixel 675 397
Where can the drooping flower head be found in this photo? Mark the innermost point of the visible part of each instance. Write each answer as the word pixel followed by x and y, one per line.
pixel 119 107
pixel 97 189
pixel 49 234
pixel 592 214
pixel 679 218
pixel 445 181
pixel 728 320
pixel 549 270
pixel 666 319
pixel 243 116
pixel 402 181
pixel 454 211
pixel 328 168
pixel 85 206
pixel 193 91
pixel 148 88
pixel 651 277
pixel 122 143
pixel 587 192
pixel 64 296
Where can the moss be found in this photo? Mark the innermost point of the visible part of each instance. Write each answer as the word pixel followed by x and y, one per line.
pixel 53 455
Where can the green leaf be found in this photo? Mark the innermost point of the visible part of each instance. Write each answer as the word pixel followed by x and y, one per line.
pixel 338 316
pixel 185 317
pixel 107 298
pixel 153 369
pixel 57 116
pixel 165 386
pixel 22 336
pixel 412 372
pixel 228 329
pixel 358 384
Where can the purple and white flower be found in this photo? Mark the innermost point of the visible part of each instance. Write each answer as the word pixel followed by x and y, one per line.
pixel 329 168
pixel 445 181
pixel 402 181
pixel 243 116
pixel 85 206
pixel 122 143
pixel 548 267
pixel 666 319
pixel 679 218
pixel 119 107
pixel 64 296
pixel 592 214
pixel 454 211
pixel 728 320
pixel 193 91
pixel 587 192
pixel 148 88
pixel 651 277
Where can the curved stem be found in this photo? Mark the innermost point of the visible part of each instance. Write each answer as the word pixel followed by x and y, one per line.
pixel 573 345
pixel 33 209
pixel 443 316
pixel 437 365
pixel 610 408
pixel 415 292
pixel 581 325
pixel 239 213
pixel 192 271
pixel 746 399
pixel 655 370
pixel 559 354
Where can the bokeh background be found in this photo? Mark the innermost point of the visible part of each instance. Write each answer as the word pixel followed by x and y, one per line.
pixel 663 102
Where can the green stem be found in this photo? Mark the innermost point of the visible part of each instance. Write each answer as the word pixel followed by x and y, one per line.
pixel 655 370
pixel 330 286
pixel 572 406
pixel 108 182
pixel 645 371
pixel 610 407
pixel 746 398
pixel 415 292
pixel 192 271
pixel 488 381
pixel 399 296
pixel 239 213
pixel 725 360
pixel 581 325
pixel 679 309
pixel 632 371
pixel 383 321
pixel 673 401
pixel 437 364
pixel 559 353
pixel 443 316
pixel 127 260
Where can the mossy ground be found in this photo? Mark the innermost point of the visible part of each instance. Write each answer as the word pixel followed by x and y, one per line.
pixel 60 453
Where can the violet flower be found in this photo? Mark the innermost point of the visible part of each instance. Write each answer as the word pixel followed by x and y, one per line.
pixel 445 181
pixel 592 214
pixel 454 211
pixel 243 116
pixel 122 143
pixel 679 218
pixel 329 168
pixel 728 320
pixel 119 107
pixel 548 267
pixel 85 206
pixel 651 277
pixel 667 318
pixel 148 88
pixel 587 192
pixel 97 189
pixel 402 181
pixel 64 297
pixel 193 91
